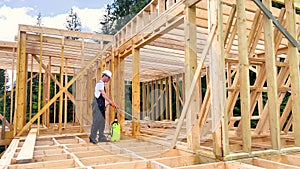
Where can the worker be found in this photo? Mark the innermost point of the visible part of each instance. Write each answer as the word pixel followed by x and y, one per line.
pixel 98 107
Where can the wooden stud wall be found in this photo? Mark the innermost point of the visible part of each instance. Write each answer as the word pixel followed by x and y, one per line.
pixel 170 47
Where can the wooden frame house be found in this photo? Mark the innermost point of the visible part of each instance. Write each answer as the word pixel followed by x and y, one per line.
pixel 195 103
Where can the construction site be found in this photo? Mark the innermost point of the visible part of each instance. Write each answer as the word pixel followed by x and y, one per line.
pixel 189 66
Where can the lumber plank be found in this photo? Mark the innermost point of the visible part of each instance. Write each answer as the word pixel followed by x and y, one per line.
pixel 244 74
pixel 271 81
pixel 271 164
pixel 27 149
pixel 69 163
pixel 9 153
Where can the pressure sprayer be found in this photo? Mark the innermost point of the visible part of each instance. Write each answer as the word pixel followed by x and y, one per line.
pixel 115 129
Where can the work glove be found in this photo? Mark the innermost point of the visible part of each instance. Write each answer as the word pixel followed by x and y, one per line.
pixel 113 105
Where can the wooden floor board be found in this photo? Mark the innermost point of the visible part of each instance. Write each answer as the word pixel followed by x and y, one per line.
pixel 73 150
pixel 26 153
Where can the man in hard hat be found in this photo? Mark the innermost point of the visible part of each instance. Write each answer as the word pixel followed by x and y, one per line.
pixel 98 107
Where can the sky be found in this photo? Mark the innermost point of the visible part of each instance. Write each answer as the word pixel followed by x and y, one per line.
pixel 53 13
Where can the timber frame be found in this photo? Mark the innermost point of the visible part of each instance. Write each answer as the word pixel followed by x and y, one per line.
pixel 188 62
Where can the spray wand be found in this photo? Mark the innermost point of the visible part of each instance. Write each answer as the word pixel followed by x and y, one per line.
pixel 124 112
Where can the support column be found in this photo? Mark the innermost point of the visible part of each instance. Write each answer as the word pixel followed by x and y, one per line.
pixel 144 100
pixel 136 92
pixel 170 98
pixel 40 81
pixel 61 97
pixel 167 100
pixel 121 83
pixel 21 86
pixel 114 88
pixel 12 91
pixel 271 79
pixel 217 82
pixel 178 104
pixel 294 69
pixel 148 106
pixel 244 75
pixel 162 106
pixel 156 104
pixel 193 137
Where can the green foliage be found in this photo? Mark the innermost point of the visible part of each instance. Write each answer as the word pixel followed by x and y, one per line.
pixel 128 99
pixel 279 5
pixel 2 81
pixel 35 89
pixel 2 87
pixel 119 13
pixel 73 23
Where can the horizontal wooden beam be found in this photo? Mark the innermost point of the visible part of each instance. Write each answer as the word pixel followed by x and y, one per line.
pixel 65 33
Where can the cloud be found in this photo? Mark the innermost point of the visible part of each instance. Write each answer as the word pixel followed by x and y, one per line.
pixel 90 18
pixel 11 17
pixel 9 20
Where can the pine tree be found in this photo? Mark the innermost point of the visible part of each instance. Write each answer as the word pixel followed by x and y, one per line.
pixel 107 21
pixel 119 13
pixel 39 20
pixel 73 23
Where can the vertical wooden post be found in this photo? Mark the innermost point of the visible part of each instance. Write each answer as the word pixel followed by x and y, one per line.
pixel 44 98
pixel 74 92
pixel 156 101
pixel 54 106
pixel 113 84
pixel 152 101
pixel 221 52
pixel 170 3
pixel 162 94
pixel 294 69
pixel 62 84
pixel 167 99
pixel 183 87
pixel 177 97
pixel 193 137
pixel 244 75
pixel 217 82
pixel 48 91
pixel 271 79
pixel 21 87
pixel 161 6
pixel 170 98
pixel 144 99
pixel 4 97
pixel 153 12
pixel 135 92
pixel 81 88
pixel 40 80
pixel 12 89
pixel 148 100
pixel 121 83
pixel 66 98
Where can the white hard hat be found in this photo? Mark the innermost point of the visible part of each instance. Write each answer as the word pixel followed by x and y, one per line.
pixel 107 73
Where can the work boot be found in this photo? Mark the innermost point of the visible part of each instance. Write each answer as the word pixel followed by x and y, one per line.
pixel 103 139
pixel 92 140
